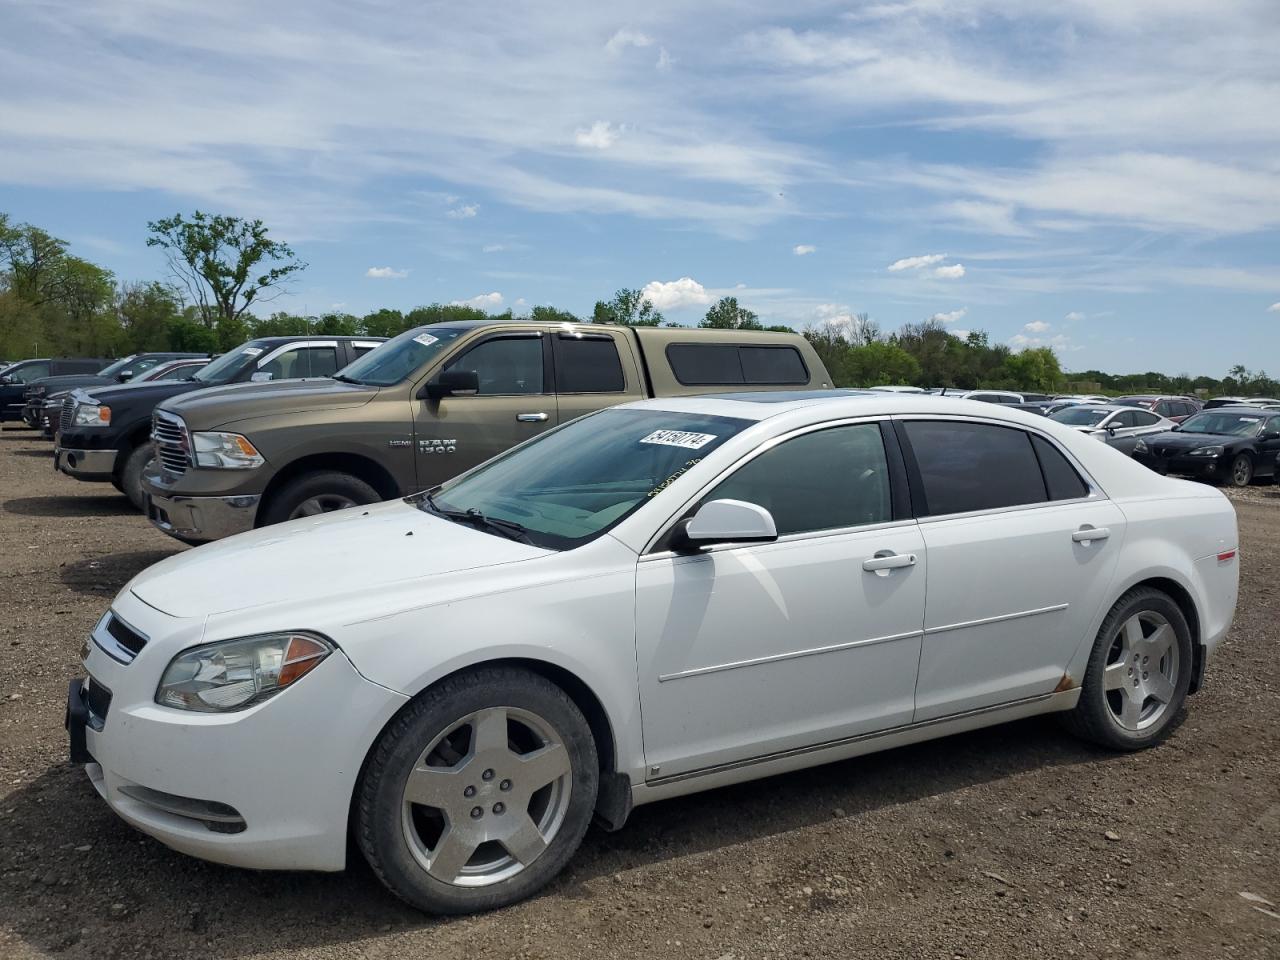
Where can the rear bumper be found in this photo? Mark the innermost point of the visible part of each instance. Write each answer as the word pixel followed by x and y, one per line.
pixel 201 518
pixel 85 464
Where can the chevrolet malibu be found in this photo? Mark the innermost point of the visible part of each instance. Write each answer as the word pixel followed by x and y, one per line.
pixel 649 601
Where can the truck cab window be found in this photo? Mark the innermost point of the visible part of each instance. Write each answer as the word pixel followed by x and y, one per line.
pixel 505 366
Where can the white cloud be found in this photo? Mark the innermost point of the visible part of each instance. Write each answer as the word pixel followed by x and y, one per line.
pixel 803 249
pixel 665 60
pixel 675 294
pixel 1274 308
pixel 483 301
pixel 915 263
pixel 624 38
pixel 492 248
pixel 952 272
pixel 1074 316
pixel 951 316
pixel 463 212
pixel 386 273
pixel 962 334
pixel 601 135
pixel 1036 326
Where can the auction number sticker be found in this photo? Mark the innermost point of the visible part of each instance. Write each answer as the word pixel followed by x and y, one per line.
pixel 251 351
pixel 679 438
pixel 426 339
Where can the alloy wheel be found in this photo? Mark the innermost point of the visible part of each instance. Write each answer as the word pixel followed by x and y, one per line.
pixel 322 503
pixel 487 797
pixel 1141 676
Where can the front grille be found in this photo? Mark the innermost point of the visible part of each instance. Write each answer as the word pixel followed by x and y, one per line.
pixel 172 445
pixel 98 699
pixel 68 411
pixel 125 635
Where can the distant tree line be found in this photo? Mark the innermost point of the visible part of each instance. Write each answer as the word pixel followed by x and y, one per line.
pixel 225 270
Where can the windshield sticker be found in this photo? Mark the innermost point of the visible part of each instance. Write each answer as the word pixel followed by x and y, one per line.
pixel 251 351
pixel 679 438
pixel 260 377
pixel 673 478
pixel 1249 419
pixel 426 339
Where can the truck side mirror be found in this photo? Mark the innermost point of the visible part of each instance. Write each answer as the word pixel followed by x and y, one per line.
pixel 451 383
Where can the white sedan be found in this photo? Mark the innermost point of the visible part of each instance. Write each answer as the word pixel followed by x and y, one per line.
pixel 649 601
pixel 1121 427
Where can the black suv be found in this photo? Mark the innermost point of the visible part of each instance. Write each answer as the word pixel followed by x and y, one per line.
pixel 122 371
pixel 1231 445
pixel 104 433
pixel 14 379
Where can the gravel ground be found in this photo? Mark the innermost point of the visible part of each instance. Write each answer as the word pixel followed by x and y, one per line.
pixel 1010 842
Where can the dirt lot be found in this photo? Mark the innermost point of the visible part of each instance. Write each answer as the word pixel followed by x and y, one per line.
pixel 1011 842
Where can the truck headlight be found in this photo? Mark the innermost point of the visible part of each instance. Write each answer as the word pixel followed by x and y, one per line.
pixel 1206 452
pixel 235 674
pixel 225 451
pixel 91 415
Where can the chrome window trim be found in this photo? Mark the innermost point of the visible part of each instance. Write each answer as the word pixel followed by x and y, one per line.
pixel 769 444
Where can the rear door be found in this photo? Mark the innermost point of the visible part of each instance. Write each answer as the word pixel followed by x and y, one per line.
pixel 592 370
pixel 1021 557
pixel 515 402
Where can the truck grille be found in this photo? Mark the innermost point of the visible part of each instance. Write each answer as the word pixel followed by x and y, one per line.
pixel 173 448
pixel 68 410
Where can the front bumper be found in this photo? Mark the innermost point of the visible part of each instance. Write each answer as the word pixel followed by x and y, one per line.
pixel 1204 468
pixel 202 518
pixel 85 464
pixel 269 787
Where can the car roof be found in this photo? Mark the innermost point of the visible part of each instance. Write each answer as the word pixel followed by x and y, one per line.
pixel 833 404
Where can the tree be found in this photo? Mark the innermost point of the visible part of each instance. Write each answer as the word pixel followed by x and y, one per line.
pixel 338 325
pixel 384 323
pixel 443 313
pixel 725 314
pixel 1036 369
pixel 145 312
pixel 629 307
pixel 29 258
pixel 552 315
pixel 218 259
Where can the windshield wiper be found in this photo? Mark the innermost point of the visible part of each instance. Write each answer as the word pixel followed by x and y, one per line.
pixel 473 517
pixel 346 379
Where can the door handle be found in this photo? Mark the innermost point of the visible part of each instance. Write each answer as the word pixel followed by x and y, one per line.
pixel 884 561
pixel 531 417
pixel 1087 535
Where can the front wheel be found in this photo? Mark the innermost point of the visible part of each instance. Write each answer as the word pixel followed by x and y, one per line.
pixel 1138 673
pixel 1241 474
pixel 130 477
pixel 478 794
pixel 315 493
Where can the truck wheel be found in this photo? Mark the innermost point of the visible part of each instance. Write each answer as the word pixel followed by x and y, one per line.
pixel 316 493
pixel 479 792
pixel 129 480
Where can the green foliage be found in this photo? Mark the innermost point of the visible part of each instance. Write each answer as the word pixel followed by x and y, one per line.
pixel 725 314
pixel 629 307
pixel 384 323
pixel 145 312
pixel 552 315
pixel 225 263
pixel 443 313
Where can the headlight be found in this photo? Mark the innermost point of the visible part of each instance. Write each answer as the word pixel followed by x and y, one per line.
pixel 35 391
pixel 91 415
pixel 1140 447
pixel 235 674
pixel 1206 452
pixel 225 451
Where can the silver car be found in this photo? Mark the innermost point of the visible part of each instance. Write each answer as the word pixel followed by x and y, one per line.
pixel 1119 426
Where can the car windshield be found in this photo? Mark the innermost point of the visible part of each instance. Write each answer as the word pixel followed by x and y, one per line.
pixel 228 366
pixel 1226 424
pixel 112 369
pixel 1080 416
pixel 399 358
pixel 574 483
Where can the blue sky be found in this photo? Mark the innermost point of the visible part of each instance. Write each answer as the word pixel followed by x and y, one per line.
pixel 1102 176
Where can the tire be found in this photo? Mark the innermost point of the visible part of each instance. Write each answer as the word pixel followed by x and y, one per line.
pixel 130 476
pixel 405 840
pixel 1241 473
pixel 315 493
pixel 1127 703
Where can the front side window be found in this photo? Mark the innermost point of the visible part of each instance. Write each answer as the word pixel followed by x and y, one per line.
pixel 1141 418
pixel 572 484
pixel 824 480
pixel 28 372
pixel 974 466
pixel 505 366
pixel 302 362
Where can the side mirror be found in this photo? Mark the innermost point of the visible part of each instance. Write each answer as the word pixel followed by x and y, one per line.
pixel 6 379
pixel 1271 434
pixel 451 383
pixel 1111 429
pixel 126 376
pixel 727 521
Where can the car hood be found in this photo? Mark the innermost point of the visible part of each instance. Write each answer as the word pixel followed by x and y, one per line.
pixel 351 551
pixel 1176 441
pixel 215 406
pixel 146 393
pixel 72 380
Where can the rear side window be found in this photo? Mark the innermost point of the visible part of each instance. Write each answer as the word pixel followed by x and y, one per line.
pixel 974 466
pixel 729 364
pixel 1060 478
pixel 588 365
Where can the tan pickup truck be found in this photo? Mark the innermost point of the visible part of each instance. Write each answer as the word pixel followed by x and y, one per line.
pixel 424 407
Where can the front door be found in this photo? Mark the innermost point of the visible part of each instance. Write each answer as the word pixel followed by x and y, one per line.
pixel 514 403
pixel 1015 576
pixel 751 650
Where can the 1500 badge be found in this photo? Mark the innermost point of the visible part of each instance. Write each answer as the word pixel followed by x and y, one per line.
pixel 438 446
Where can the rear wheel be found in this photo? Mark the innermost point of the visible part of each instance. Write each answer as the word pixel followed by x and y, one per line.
pixel 316 493
pixel 130 476
pixel 1241 474
pixel 479 792
pixel 1138 673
